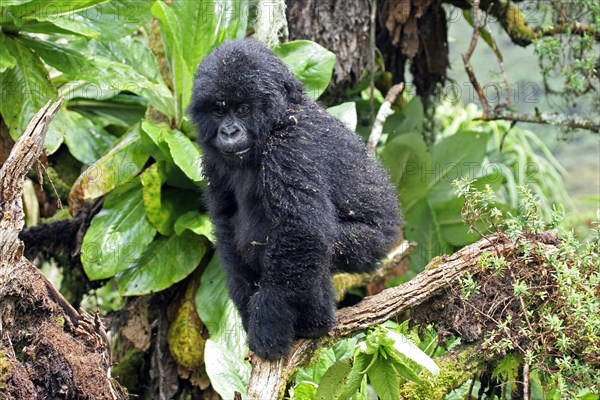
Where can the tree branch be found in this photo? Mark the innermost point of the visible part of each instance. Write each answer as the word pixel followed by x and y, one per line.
pixel 269 378
pixel 575 28
pixel 569 121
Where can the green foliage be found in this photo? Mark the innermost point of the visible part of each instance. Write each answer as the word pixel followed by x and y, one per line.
pixel 569 60
pixel 385 357
pixel 167 260
pixel 490 154
pixel 310 62
pixel 118 234
pixel 558 285
pixel 226 348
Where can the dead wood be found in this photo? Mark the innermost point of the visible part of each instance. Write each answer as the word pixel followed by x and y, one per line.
pixel 47 348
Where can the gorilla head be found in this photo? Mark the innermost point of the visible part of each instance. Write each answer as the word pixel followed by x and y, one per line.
pixel 240 93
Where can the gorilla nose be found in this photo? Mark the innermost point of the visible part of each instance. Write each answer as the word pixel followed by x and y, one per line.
pixel 229 130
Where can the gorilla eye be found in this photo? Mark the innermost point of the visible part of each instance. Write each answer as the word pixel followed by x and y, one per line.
pixel 242 109
pixel 219 111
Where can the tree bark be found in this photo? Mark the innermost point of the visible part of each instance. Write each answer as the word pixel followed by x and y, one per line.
pixel 340 26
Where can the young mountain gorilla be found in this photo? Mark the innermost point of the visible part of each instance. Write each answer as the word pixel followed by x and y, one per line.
pixel 293 193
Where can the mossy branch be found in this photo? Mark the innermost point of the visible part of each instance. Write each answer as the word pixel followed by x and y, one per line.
pixel 546 118
pixel 510 17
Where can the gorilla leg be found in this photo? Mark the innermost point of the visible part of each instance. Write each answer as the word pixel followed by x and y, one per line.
pixel 359 246
pixel 316 318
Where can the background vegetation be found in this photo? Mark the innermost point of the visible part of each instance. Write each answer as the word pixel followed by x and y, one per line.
pixel 115 215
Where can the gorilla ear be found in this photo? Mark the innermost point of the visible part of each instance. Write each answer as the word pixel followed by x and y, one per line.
pixel 294 89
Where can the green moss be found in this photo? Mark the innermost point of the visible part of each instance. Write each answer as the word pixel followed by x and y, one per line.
pixel 60 321
pixel 514 24
pixel 6 368
pixel 435 262
pixel 131 371
pixel 455 369
pixel 342 282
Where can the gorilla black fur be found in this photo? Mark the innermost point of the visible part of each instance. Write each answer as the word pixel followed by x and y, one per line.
pixel 293 193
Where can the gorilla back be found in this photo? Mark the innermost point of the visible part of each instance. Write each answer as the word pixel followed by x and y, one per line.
pixel 293 193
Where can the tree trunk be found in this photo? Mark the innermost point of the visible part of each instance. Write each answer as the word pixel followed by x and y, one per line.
pixel 341 26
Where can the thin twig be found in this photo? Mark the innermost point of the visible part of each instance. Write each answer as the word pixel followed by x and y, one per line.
pixel 467 59
pixel 384 112
pixel 372 47
pixel 576 28
pixel 526 394
pixel 499 59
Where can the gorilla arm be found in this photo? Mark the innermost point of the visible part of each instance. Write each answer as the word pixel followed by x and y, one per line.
pixel 241 279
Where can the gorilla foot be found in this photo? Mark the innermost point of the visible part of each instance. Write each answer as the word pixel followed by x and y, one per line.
pixel 315 327
pixel 269 347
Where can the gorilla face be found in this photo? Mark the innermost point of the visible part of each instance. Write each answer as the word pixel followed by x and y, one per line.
pixel 240 94
pixel 233 139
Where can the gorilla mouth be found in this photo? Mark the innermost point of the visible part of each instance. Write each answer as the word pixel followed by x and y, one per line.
pixel 236 153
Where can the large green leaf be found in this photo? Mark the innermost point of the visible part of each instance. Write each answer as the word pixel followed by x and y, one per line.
pixel 6 3
pixel 432 210
pixel 408 119
pixel 233 18
pixel 310 62
pixel 164 205
pixel 167 260
pixel 304 391
pixel 24 89
pixel 118 234
pixel 384 379
pixel 43 9
pixel 6 60
pixel 455 157
pixel 86 141
pixel 227 337
pixel 186 154
pixel 110 20
pixel 224 370
pixel 175 146
pixel 407 158
pixel 345 112
pixel 356 377
pixel 198 223
pixel 198 22
pixel 161 215
pixel 335 380
pixel 172 36
pixel 123 162
pixel 126 65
